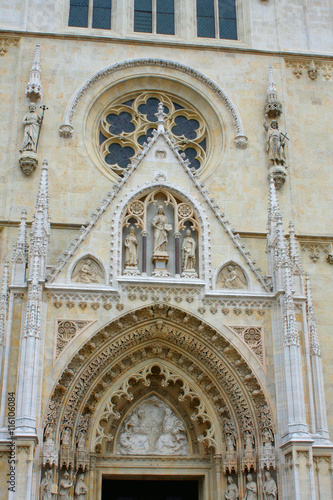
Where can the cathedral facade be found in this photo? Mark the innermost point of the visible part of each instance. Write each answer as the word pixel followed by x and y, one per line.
pixel 166 250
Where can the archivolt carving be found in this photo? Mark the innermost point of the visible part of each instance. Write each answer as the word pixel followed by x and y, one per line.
pixel 67 129
pixel 163 333
pixel 168 376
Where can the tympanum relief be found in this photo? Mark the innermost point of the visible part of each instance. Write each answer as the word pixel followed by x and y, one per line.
pixel 160 237
pixel 231 276
pixel 88 271
pixel 152 428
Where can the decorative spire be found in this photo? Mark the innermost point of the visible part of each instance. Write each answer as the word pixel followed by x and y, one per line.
pixel 273 107
pixel 34 89
pixel 293 247
pixel 4 297
pixel 291 337
pixel 160 117
pixel 40 230
pixel 20 252
pixel 312 322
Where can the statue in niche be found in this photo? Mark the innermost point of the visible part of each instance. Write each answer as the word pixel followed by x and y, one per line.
pixel 87 271
pixel 161 227
pixel 268 439
pixel 275 143
pixel 81 440
pixel 251 489
pixel 231 276
pixel 269 487
pixel 66 436
pixel 49 434
pixel 46 486
pixel 231 493
pixel 64 487
pixel 80 488
pixel 32 123
pixel 188 252
pixel 230 443
pixel 131 250
pixel 152 429
pixel 249 441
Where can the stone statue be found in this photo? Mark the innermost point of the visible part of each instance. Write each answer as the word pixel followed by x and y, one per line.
pixel 64 487
pixel 81 441
pixel 231 493
pixel 87 272
pixel 131 250
pixel 152 428
pixel 230 443
pixel 80 488
pixel 46 486
pixel 49 434
pixel 269 487
pixel 251 489
pixel 248 441
pixel 232 277
pixel 31 122
pixel 268 439
pixel 275 143
pixel 66 436
pixel 161 227
pixel 188 252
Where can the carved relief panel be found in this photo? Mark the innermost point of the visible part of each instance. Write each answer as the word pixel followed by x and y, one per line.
pixel 160 237
pixel 231 276
pixel 88 271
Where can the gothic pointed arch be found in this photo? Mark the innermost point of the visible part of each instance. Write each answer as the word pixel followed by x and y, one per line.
pixel 178 356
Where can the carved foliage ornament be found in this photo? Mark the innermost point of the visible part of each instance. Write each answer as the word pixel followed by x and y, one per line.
pixel 119 343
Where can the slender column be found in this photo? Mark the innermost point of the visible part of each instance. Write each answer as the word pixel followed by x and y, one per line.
pixel 177 256
pixel 144 235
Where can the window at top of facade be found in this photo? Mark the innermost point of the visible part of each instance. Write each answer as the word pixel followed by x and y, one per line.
pixel 90 14
pixel 216 19
pixel 154 16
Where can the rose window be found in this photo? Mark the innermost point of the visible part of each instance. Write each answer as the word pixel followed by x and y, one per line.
pixel 127 124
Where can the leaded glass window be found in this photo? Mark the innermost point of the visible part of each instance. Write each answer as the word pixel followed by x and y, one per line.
pixel 128 123
pixel 154 16
pixel 90 14
pixel 217 19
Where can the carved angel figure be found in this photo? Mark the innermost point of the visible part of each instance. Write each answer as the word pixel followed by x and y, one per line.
pixel 87 271
pixel 31 122
pixel 270 488
pixel 131 249
pixel 232 276
pixel 275 143
pixel 80 488
pixel 161 227
pixel 188 252
pixel 251 489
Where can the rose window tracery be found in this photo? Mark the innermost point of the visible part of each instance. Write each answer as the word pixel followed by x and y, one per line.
pixel 126 125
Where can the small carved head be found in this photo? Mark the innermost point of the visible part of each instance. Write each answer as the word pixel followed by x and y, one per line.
pixel 249 477
pixel 267 475
pixel 274 124
pixel 188 232
pixel 160 209
pixel 131 230
pixel 32 106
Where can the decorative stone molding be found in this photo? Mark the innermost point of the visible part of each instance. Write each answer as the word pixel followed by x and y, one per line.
pixel 162 293
pixel 67 330
pixel 316 249
pixel 67 126
pixel 79 297
pixel 7 42
pixel 90 372
pixel 312 67
pixel 4 301
pixel 253 337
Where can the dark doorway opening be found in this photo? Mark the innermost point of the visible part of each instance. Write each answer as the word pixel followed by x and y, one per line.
pixel 119 489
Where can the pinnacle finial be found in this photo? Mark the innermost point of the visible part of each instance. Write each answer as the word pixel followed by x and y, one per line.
pixel 34 87
pixel 273 107
pixel 160 117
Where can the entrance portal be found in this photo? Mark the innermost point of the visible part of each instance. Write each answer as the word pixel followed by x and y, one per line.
pixel 114 489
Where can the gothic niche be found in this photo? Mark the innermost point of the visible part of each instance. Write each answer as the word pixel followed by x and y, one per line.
pixel 160 237
pixel 231 276
pixel 152 428
pixel 88 271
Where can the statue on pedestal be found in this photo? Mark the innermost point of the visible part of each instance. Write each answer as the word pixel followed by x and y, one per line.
pixel 161 227
pixel 131 253
pixel 31 122
pixel 188 256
